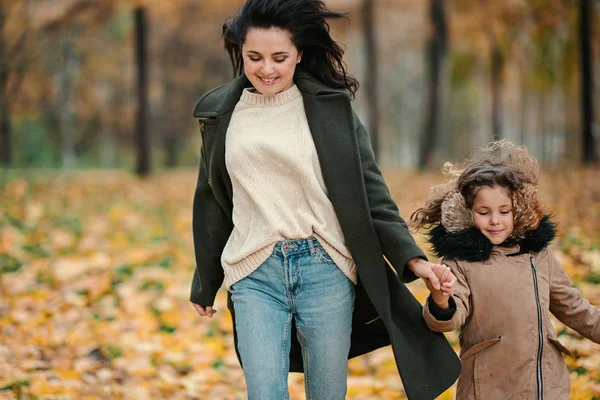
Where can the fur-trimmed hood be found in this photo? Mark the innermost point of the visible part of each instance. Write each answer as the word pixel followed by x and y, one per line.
pixel 472 246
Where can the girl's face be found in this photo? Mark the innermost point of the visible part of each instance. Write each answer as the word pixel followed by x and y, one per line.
pixel 270 59
pixel 492 213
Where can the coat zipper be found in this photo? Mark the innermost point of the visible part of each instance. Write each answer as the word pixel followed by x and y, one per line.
pixel 540 383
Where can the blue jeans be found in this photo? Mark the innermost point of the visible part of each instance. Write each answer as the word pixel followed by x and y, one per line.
pixel 300 282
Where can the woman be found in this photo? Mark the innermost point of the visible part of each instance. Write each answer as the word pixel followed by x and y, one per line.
pixel 292 212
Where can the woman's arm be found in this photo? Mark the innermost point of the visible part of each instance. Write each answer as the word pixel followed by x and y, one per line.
pixel 211 229
pixel 396 241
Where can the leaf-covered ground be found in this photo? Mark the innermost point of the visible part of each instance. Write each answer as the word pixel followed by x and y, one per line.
pixel 96 270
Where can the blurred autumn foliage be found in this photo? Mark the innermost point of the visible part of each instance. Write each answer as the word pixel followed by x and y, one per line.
pixel 439 78
pixel 95 277
pixel 68 83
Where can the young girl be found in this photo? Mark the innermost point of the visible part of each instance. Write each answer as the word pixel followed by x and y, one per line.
pixel 291 211
pixel 492 232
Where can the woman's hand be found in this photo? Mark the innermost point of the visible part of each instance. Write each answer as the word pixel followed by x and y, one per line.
pixel 207 311
pixel 431 274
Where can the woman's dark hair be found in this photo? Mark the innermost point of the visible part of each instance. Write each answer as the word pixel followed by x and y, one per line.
pixel 306 20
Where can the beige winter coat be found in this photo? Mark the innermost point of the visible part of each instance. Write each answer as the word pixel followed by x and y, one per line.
pixel 509 348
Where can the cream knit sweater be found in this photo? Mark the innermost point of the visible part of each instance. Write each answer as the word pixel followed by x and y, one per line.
pixel 278 189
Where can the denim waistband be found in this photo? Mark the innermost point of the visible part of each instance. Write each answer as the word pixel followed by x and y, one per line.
pixel 288 247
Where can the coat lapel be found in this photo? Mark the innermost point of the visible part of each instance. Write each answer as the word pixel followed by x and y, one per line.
pixel 220 112
pixel 336 151
pixel 331 124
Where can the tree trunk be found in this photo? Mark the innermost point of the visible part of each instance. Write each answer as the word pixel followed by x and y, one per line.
pixel 497 80
pixel 589 153
pixel 171 149
pixel 65 78
pixel 436 63
pixel 170 127
pixel 5 131
pixel 108 147
pixel 481 135
pixel 142 139
pixel 371 74
pixel 523 107
pixel 497 73
pixel 524 64
pixel 540 128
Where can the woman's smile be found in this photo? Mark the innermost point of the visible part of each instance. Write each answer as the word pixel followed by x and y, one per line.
pixel 268 81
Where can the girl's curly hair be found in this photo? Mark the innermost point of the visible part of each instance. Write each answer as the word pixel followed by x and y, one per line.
pixel 500 163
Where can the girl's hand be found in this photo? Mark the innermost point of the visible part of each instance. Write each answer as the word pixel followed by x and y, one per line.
pixel 207 311
pixel 446 278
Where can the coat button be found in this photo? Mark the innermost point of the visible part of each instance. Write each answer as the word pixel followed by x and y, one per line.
pixel 202 127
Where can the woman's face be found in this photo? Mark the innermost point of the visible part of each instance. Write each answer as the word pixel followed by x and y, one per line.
pixel 270 59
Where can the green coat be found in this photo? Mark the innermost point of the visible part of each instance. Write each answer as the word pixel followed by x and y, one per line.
pixel 385 310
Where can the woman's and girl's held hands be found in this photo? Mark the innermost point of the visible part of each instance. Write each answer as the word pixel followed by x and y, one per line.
pixel 438 277
pixel 445 275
